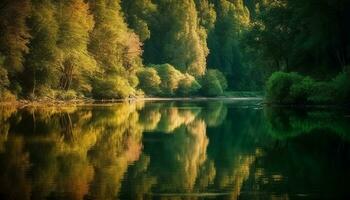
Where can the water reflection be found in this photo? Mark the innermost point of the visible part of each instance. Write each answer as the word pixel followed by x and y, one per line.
pixel 173 150
pixel 287 123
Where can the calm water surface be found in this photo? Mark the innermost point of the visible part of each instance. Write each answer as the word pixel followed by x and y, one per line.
pixel 174 150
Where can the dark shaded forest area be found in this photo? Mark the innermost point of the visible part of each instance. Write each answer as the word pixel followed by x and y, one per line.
pixel 297 51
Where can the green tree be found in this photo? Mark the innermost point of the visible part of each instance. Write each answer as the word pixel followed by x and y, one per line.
pixel 206 14
pixel 116 49
pixel 139 13
pixel 149 81
pixel 308 37
pixel 14 36
pixel 271 34
pixel 74 61
pixel 185 46
pixel 41 61
pixel 178 39
pixel 224 41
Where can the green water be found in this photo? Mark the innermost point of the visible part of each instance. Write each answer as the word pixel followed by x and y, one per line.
pixel 174 150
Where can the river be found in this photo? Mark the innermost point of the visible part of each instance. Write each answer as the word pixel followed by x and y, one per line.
pixel 209 149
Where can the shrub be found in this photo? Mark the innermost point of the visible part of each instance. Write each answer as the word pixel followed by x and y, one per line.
pixel 170 78
pixel 279 85
pixel 341 84
pixel 221 78
pixel 113 87
pixel 188 86
pixel 149 81
pixel 292 88
pixel 212 87
pixel 165 80
pixel 213 83
pixel 300 91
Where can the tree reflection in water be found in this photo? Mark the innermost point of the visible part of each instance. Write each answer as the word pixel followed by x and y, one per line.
pixel 168 150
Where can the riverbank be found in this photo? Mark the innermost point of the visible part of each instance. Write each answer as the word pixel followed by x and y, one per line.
pixel 21 103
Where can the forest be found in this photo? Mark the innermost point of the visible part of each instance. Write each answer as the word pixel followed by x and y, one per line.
pixel 297 51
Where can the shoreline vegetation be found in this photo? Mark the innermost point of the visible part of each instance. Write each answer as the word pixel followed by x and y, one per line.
pixel 295 89
pixel 80 50
pixel 86 101
pixel 92 102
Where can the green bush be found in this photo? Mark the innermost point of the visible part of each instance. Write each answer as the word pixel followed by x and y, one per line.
pixel 292 88
pixel 149 81
pixel 212 87
pixel 301 91
pixel 213 83
pixel 113 87
pixel 341 83
pixel 170 79
pixel 279 86
pixel 165 80
pixel 188 86
pixel 221 78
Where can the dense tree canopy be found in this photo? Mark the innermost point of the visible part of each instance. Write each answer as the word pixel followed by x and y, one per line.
pixel 41 60
pixel 115 47
pixel 104 48
pixel 14 37
pixel 310 37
